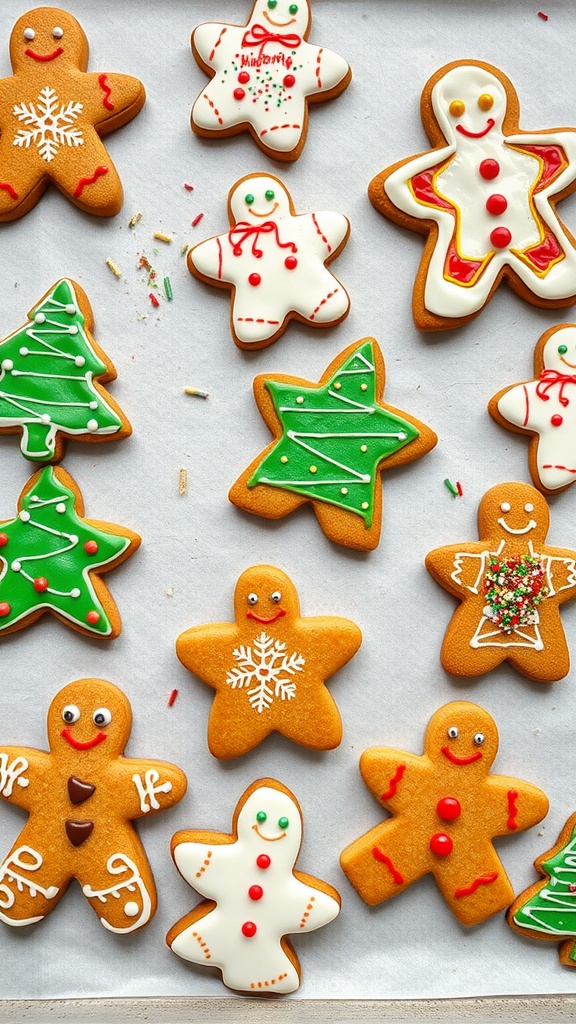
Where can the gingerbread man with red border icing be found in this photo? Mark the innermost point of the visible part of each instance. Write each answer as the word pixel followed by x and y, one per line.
pixel 52 114
pixel 82 797
pixel 447 807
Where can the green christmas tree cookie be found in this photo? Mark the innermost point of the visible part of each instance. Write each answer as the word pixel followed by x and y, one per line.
pixel 332 439
pixel 51 377
pixel 51 559
pixel 547 909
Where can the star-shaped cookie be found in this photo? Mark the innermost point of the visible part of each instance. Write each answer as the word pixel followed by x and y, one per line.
pixel 52 114
pixel 447 808
pixel 269 667
pixel 332 439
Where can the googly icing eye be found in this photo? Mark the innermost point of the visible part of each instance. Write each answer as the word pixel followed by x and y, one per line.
pixel 457 108
pixel 269 194
pixel 453 732
pixel 529 507
pixel 261 817
pixel 276 596
pixel 505 506
pixel 283 823
pixel 252 598
pixel 562 350
pixel 71 714
pixel 102 716
pixel 248 199
pixel 485 101
pixel 29 34
pixel 479 738
pixel 57 32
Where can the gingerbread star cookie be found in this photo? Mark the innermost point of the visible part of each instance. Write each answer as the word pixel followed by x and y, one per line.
pixel 485 196
pixel 275 262
pixel 255 897
pixel 511 585
pixel 52 114
pixel 269 667
pixel 264 74
pixel 446 808
pixel 331 441
pixel 51 559
pixel 82 796
pixel 545 409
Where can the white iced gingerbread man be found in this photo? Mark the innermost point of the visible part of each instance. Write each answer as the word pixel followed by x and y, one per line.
pixel 546 408
pixel 254 897
pixel 275 262
pixel 264 74
pixel 486 195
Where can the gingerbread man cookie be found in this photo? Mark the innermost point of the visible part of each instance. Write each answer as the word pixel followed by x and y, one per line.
pixel 511 585
pixel 545 408
pixel 52 114
pixel 264 74
pixel 274 260
pixel 51 377
pixel 82 796
pixel 331 441
pixel 254 896
pixel 51 559
pixel 485 196
pixel 447 807
pixel 269 667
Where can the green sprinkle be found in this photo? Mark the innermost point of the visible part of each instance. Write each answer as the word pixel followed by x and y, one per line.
pixel 448 483
pixel 168 288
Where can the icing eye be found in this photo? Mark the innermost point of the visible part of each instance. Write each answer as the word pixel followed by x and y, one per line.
pixel 505 506
pixel 29 34
pixel 269 195
pixel 485 101
pixel 453 732
pixel 252 598
pixel 283 823
pixel 276 596
pixel 529 507
pixel 261 817
pixel 293 9
pixel 457 108
pixel 57 32
pixel 562 350
pixel 249 199
pixel 71 714
pixel 479 738
pixel 272 4
pixel 102 716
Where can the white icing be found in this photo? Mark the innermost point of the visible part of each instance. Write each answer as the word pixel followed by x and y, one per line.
pixel 461 183
pixel 287 906
pixel 274 108
pixel 23 859
pixel 12 772
pixel 267 669
pixel 263 236
pixel 49 124
pixel 147 790
pixel 118 864
pixel 532 405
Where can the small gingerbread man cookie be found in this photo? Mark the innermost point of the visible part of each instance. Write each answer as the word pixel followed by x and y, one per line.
pixel 275 262
pixel 52 115
pixel 264 74
pixel 511 585
pixel 545 408
pixel 269 667
pixel 485 196
pixel 447 807
pixel 81 797
pixel 254 896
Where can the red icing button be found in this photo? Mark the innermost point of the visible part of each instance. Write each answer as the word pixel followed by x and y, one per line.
pixel 489 169
pixel 249 929
pixel 90 547
pixel 289 81
pixel 4 608
pixel 40 584
pixel 448 808
pixel 263 861
pixel 3 540
pixel 92 618
pixel 557 420
pixel 243 77
pixel 441 844
pixel 254 280
pixel 255 892
pixel 496 204
pixel 500 237
pixel 290 263
pixel 239 94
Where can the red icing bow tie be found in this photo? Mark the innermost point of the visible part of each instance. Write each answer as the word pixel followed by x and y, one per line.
pixel 244 231
pixel 259 36
pixel 548 378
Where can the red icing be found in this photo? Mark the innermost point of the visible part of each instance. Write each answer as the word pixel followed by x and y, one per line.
pixel 544 253
pixel 290 263
pixel 259 36
pixel 103 83
pixel 239 94
pixel 249 929
pixel 259 618
pixel 3 540
pixel 476 135
pixel 441 844
pixel 512 824
pixel 481 880
pixel 289 81
pixel 243 77
pixel 254 280
pixel 4 608
pixel 9 189
pixel 461 760
pixel 40 584
pixel 547 380
pixel 92 618
pixel 91 547
pixel 246 230
pixel 489 169
pixel 396 876
pixel 393 786
pixel 263 861
pixel 553 159
pixel 44 57
pixel 500 237
pixel 423 188
pixel 448 808
pixel 557 420
pixel 459 268
pixel 255 892
pixel 79 744
pixel 89 181
pixel 496 204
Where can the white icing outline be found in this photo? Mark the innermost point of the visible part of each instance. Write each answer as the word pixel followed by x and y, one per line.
pixel 116 864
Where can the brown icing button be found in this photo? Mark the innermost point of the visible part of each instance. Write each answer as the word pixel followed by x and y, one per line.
pixel 78 831
pixel 79 791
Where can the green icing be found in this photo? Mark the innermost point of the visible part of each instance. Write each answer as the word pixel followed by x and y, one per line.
pixel 46 377
pixel 552 910
pixel 46 540
pixel 334 437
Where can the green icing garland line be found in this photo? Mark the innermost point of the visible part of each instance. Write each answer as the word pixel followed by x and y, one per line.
pixel 552 910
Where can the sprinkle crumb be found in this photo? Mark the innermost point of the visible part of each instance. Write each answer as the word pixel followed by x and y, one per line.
pixel 542 15
pixel 184 249
pixel 162 237
pixel 134 220
pixel 172 698
pixel 448 483
pixel 189 188
pixel 153 300
pixel 459 488
pixel 115 270
pixel 168 289
pixel 537 732
pixel 182 481
pixel 169 591
pixel 144 263
pixel 196 391
pixel 197 219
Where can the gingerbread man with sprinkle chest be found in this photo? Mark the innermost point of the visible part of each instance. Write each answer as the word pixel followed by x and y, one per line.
pixel 52 114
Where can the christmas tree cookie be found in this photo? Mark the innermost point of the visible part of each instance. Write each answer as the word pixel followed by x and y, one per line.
pixel 51 377
pixel 331 441
pixel 547 909
pixel 51 559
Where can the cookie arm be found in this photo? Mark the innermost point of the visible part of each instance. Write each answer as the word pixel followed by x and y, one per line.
pixel 395 777
pixel 329 230
pixel 513 805
pixel 457 566
pixel 332 639
pixel 208 259
pixel 110 100
pixel 205 650
pixel 324 70
pixel 562 571
pixel 207 866
pixel 145 787
pixel 514 406
pixel 207 38
pixel 22 771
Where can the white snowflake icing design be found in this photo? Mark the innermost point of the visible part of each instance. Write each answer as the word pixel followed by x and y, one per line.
pixel 264 667
pixel 48 127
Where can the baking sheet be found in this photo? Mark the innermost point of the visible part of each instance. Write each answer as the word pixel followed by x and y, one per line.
pixel 195 546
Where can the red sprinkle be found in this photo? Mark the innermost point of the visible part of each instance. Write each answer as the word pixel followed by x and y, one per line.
pixel 542 15
pixel 153 299
pixel 459 488
pixel 172 698
pixel 189 188
pixel 197 219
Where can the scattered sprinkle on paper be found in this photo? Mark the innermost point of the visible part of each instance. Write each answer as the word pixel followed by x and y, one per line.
pixel 168 289
pixel 197 219
pixel 162 237
pixel 153 300
pixel 182 481
pixel 196 391
pixel 189 188
pixel 542 15
pixel 134 220
pixel 172 698
pixel 115 270
pixel 453 490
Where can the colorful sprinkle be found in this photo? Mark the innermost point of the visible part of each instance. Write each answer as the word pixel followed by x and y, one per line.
pixel 189 188
pixel 168 288
pixel 172 698
pixel 153 299
pixel 184 249
pixel 453 490
pixel 134 220
pixel 162 237
pixel 542 15
pixel 196 391
pixel 182 481
pixel 197 219
pixel 459 488
pixel 115 270
pixel 513 588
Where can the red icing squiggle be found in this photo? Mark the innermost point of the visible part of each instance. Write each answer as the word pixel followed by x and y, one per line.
pixel 482 880
pixel 89 181
pixel 512 824
pixel 103 83
pixel 9 189
pixel 393 786
pixel 396 876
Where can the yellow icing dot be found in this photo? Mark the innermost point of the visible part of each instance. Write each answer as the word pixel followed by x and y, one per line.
pixel 313 469
pixel 485 101
pixel 363 387
pixel 283 458
pixel 343 490
pixel 364 504
pixel 299 400
pixel 457 108
pixel 363 447
pixel 337 386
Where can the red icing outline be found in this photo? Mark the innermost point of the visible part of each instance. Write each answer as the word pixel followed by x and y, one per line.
pixel 396 876
pixel 461 760
pixel 481 880
pixel 9 189
pixel 89 181
pixel 512 824
pixel 87 744
pixel 107 90
pixel 44 57
pixel 393 785
pixel 476 135
pixel 258 618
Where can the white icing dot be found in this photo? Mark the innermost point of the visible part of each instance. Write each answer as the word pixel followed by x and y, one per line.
pixel 45 418
pixel 34 498
pixel 131 909
pixel 24 516
pixel 73 538
pixel 39 318
pixel 529 507
pixel 58 32
pixel 75 592
pixel 79 361
pixel 505 506
pixel 92 424
pixel 93 405
pixel 70 308
pixel 60 507
pixel 363 447
pixel 24 351
pixel 343 490
pixel 73 329
pixel 401 436
pixel 299 399
pixel 29 34
pixel 364 504
pixel 16 566
pixel 7 365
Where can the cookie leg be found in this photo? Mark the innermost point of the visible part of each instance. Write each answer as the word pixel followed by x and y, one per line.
pixel 384 862
pixel 120 888
pixel 474 883
pixel 89 178
pixel 19 191
pixel 330 303
pixel 320 731
pixel 31 882
pixel 547 665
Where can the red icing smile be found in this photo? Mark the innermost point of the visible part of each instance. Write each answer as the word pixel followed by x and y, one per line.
pixel 44 57
pixel 461 760
pixel 266 622
pixel 476 135
pixel 78 744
